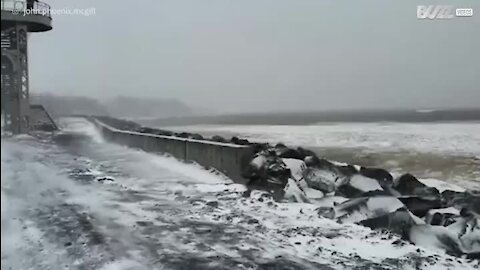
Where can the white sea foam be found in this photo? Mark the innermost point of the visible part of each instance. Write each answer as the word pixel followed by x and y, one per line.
pixel 80 125
pixel 451 137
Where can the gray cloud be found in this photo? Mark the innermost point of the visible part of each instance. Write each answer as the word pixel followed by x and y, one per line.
pixel 262 55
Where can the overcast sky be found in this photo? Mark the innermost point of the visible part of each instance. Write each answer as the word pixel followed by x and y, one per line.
pixel 262 55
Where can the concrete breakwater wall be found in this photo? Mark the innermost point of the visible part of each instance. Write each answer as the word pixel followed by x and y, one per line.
pixel 229 159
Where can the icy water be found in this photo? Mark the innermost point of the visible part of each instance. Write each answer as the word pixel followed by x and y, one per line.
pixel 88 204
pixel 448 151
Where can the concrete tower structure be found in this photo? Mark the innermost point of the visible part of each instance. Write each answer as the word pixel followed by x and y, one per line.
pixel 19 17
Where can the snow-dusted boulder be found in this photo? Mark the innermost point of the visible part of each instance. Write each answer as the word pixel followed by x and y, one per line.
pixel 293 193
pixel 384 178
pixel 218 138
pixel 440 185
pixel 373 212
pixel 408 184
pixel 257 167
pixel 313 194
pixel 328 204
pixel 359 185
pixel 267 172
pixel 296 166
pixel 323 180
pixel 311 160
pixel 442 217
pixel 285 152
pixel 451 198
pixel 377 212
pixel 420 206
pixel 399 222
pixel 359 209
pixel 459 238
pixel 468 199
pixel 364 184
pixel 239 141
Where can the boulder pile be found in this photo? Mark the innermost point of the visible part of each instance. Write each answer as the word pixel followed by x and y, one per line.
pixel 371 197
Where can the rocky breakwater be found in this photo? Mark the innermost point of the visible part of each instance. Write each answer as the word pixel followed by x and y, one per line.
pixel 372 197
pixel 448 219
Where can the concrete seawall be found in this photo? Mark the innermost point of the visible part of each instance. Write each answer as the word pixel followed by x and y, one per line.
pixel 230 159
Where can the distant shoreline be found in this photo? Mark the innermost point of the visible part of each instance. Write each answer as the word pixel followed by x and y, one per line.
pixel 308 118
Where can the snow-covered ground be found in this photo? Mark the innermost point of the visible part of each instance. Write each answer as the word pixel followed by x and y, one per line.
pixel 94 205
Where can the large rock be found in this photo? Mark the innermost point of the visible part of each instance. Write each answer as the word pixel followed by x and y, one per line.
pixel 267 172
pixel 451 198
pixel 239 141
pixel 468 199
pixel 163 132
pixel 474 200
pixel 330 202
pixel 195 136
pixel 144 130
pixel 383 177
pixel 325 175
pixel 182 134
pixel 399 222
pixel 218 138
pixel 346 170
pixel 342 169
pixel 408 184
pixel 442 217
pixel 278 170
pixel 325 164
pixel 309 155
pixel 323 180
pixel 363 183
pixel 358 186
pixel 286 152
pixel 460 238
pixel 311 161
pixel 419 206
pixel 260 147
pixel 296 166
pixel 257 168
pixel 373 212
pixel 360 209
pixel 293 192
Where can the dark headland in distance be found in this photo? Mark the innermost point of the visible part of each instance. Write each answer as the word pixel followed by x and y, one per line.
pixel 307 118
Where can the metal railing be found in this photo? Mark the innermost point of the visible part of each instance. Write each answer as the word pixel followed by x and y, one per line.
pixel 26 7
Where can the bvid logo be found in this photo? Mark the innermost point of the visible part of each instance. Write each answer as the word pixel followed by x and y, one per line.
pixel 442 12
pixel 435 12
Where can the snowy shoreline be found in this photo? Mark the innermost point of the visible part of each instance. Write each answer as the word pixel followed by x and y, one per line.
pixel 128 185
pixel 405 205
